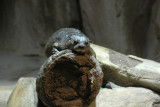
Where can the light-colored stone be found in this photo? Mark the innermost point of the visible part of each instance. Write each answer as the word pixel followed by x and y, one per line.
pixel 24 95
pixel 127 97
pixel 128 70
pixel 112 85
pixel 5 92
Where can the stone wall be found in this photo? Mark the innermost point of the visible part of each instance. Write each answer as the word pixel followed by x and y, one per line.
pixel 25 25
pixel 119 25
pixel 130 27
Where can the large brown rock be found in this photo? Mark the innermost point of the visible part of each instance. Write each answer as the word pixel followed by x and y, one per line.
pixel 68 79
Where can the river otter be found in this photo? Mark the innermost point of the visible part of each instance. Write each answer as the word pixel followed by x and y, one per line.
pixel 68 38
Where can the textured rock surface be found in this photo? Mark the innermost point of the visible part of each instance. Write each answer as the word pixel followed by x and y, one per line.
pixel 26 24
pixel 128 70
pixel 121 25
pixel 24 95
pixel 13 66
pixel 153 36
pixel 125 26
pixel 127 97
pixel 68 79
pixel 117 97
pixel 5 92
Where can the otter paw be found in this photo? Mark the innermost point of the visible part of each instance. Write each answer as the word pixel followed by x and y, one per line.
pixel 54 51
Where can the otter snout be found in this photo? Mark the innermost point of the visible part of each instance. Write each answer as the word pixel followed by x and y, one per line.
pixel 82 46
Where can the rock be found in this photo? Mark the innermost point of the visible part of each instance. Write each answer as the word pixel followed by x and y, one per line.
pixel 128 70
pixel 112 85
pixel 13 66
pixel 153 36
pixel 121 25
pixel 68 79
pixel 5 92
pixel 27 24
pixel 24 95
pixel 127 97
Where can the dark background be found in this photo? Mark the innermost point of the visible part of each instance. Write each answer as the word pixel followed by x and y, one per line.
pixel 127 26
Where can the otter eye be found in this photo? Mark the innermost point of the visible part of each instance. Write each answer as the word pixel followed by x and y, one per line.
pixel 86 43
pixel 75 42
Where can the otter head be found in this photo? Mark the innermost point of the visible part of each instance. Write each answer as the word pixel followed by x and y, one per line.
pixel 80 43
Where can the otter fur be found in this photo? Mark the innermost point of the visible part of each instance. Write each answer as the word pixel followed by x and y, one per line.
pixel 68 38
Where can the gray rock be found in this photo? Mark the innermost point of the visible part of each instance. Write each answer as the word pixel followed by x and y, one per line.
pixel 121 25
pixel 13 66
pixel 27 24
pixel 24 95
pixel 127 97
pixel 153 36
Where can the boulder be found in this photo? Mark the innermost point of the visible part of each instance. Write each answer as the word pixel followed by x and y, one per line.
pixel 128 70
pixel 24 94
pixel 127 97
pixel 116 97
pixel 5 92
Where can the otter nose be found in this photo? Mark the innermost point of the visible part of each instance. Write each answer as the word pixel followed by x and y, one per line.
pixel 82 46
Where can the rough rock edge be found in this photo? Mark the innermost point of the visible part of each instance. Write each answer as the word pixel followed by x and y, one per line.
pixel 144 73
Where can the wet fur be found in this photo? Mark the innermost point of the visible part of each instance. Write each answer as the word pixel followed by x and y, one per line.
pixel 68 38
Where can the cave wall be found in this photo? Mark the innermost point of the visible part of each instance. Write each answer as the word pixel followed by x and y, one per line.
pixel 130 27
pixel 25 25
pixel 153 34
pixel 119 25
